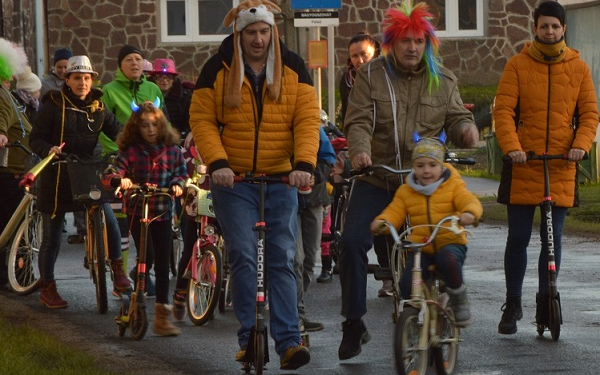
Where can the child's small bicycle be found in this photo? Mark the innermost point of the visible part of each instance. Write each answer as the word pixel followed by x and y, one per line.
pixel 133 313
pixel 205 268
pixel 424 322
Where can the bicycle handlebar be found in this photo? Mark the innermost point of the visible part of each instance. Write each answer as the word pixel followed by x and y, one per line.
pixel 454 228
pixel 18 144
pixel 270 179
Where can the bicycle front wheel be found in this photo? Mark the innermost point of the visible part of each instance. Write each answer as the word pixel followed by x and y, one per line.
pixel 410 358
pixel 446 354
pixel 203 293
pixel 23 255
pixel 98 258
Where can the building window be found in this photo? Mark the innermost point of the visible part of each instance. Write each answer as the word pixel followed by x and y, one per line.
pixel 194 20
pixel 458 18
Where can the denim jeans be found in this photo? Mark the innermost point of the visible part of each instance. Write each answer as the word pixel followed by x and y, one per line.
pixel 308 242
pixel 520 219
pixel 237 211
pixel 449 261
pixel 366 202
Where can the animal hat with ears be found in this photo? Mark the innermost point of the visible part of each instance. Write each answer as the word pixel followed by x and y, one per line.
pixel 246 13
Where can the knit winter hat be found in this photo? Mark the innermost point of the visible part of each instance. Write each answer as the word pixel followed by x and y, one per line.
pixel 28 82
pixel 430 148
pixel 247 13
pixel 62 54
pixel 127 49
pixel 12 60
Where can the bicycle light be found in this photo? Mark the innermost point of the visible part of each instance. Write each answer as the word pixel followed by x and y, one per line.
pixel 209 230
pixel 95 193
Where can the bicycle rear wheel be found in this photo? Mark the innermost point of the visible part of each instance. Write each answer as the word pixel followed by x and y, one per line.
pixel 203 293
pixel 445 356
pixel 410 359
pixel 23 255
pixel 98 258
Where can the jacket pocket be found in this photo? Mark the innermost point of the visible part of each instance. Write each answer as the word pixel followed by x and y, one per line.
pixel 383 106
pixel 433 111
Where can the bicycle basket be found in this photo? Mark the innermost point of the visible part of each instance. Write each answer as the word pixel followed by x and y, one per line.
pixel 85 176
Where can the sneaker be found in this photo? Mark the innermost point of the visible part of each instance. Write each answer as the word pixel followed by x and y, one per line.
pixel 387 289
pixel 179 300
pixel 512 312
pixel 295 357
pixel 355 335
pixel 325 277
pixel 49 296
pixel 308 326
pixel 120 280
pixel 76 239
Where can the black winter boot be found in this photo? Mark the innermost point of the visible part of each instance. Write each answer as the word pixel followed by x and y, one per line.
pixel 512 312
pixel 326 274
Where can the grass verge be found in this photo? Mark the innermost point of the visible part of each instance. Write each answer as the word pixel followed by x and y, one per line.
pixel 27 351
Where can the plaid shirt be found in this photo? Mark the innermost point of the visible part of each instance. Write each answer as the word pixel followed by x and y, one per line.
pixel 147 164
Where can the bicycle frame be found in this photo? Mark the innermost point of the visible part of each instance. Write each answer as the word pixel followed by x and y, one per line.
pixel 23 210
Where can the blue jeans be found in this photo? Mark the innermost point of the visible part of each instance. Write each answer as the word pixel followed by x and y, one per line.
pixel 449 261
pixel 520 219
pixel 52 236
pixel 237 211
pixel 366 202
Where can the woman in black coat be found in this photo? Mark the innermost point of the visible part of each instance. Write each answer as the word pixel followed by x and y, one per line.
pixel 74 118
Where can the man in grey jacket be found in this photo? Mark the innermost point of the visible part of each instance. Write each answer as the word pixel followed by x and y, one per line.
pixel 394 96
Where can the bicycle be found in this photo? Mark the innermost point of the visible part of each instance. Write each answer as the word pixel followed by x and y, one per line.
pixel 554 306
pixel 25 230
pixel 87 190
pixel 205 268
pixel 424 321
pixel 132 313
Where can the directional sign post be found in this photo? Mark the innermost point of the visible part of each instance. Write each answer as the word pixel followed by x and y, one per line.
pixel 315 19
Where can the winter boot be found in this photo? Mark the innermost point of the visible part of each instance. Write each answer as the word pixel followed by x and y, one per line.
pixel 179 303
pixel 541 309
pixel 459 303
pixel 512 312
pixel 162 321
pixel 49 296
pixel 326 274
pixel 120 281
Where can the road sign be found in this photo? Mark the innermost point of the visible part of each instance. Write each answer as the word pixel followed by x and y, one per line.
pixel 313 19
pixel 315 4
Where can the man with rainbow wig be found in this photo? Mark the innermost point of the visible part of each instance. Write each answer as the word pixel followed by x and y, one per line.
pixel 402 92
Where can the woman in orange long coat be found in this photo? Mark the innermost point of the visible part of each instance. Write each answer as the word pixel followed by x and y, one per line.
pixel 541 93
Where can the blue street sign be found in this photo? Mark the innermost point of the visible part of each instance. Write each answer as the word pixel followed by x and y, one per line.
pixel 316 4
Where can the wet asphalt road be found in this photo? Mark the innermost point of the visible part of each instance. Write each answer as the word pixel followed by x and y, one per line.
pixel 210 349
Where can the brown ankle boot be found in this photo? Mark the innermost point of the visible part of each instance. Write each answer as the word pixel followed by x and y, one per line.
pixel 120 282
pixel 162 321
pixel 49 296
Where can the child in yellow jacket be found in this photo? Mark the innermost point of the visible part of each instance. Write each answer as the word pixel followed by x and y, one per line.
pixel 434 190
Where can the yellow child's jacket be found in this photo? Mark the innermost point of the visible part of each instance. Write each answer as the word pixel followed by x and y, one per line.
pixel 451 198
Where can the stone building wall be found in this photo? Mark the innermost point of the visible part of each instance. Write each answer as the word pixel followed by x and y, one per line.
pixel 100 27
pixel 17 25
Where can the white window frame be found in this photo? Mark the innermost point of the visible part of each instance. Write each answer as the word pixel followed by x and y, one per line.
pixel 452 30
pixel 191 34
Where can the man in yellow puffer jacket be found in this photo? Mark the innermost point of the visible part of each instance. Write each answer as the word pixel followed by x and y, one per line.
pixel 254 109
pixel 539 94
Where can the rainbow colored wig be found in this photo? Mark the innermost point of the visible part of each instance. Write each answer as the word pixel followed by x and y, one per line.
pixel 416 20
